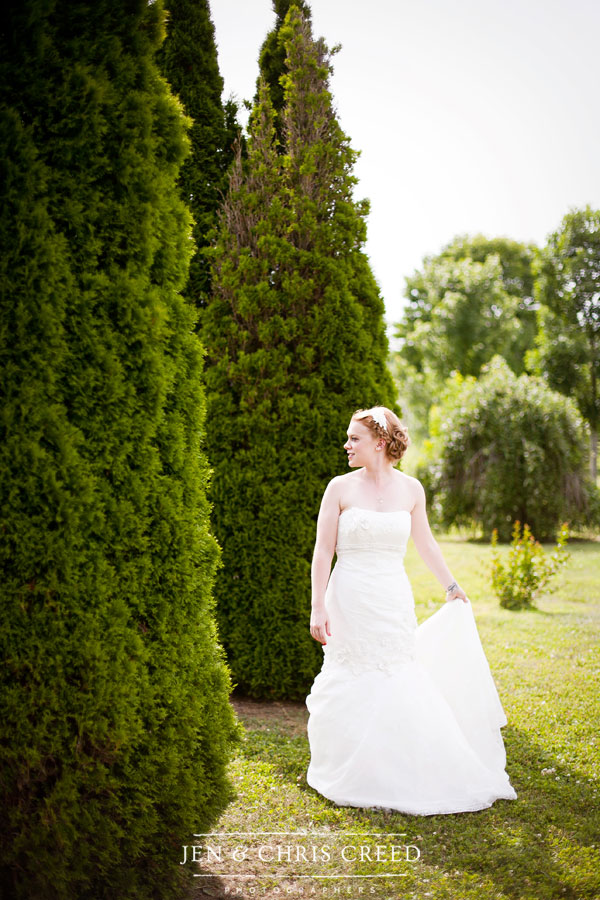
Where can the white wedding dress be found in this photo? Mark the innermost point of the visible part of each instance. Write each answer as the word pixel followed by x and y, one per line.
pixel 402 716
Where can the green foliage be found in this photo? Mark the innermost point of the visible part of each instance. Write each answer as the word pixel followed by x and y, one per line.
pixel 470 302
pixel 116 726
pixel 295 343
pixel 567 350
pixel 505 448
pixel 272 62
pixel 528 569
pixel 188 60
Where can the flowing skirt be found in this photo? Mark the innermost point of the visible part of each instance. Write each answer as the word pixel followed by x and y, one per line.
pixel 403 717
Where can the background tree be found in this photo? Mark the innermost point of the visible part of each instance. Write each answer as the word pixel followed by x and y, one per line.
pixel 508 448
pixel 188 60
pixel 468 303
pixel 116 726
pixel 296 342
pixel 517 265
pixel 568 288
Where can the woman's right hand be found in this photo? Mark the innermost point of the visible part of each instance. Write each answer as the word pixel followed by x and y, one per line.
pixel 319 624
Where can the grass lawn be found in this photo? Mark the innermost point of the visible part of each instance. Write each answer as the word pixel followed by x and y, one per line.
pixel 544 845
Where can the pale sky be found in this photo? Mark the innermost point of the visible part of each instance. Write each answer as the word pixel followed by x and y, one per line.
pixel 471 116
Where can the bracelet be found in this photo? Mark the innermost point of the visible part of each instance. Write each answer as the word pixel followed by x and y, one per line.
pixel 451 587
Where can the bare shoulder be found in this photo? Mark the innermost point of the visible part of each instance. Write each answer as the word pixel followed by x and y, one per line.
pixel 347 478
pixel 412 485
pixel 335 487
pixel 337 480
pixel 338 487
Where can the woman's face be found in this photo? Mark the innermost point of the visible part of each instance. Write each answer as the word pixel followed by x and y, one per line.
pixel 360 445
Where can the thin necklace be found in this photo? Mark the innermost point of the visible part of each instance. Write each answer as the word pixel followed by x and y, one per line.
pixel 379 498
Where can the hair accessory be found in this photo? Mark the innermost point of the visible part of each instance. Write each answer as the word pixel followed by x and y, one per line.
pixel 377 413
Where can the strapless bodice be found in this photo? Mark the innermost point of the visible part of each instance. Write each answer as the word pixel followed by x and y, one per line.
pixel 370 529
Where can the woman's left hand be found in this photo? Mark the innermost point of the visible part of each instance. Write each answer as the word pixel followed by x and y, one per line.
pixel 457 593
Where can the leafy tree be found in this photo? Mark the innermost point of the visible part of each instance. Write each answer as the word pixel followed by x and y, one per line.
pixel 508 448
pixel 116 726
pixel 296 342
pixel 188 60
pixel 568 288
pixel 517 265
pixel 470 302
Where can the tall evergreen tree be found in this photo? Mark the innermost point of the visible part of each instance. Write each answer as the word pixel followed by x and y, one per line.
pixel 188 60
pixel 296 342
pixel 116 725
pixel 272 58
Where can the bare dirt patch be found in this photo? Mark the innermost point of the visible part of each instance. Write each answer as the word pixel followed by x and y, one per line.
pixel 257 714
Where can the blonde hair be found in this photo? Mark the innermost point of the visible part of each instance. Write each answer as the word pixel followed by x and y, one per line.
pixel 395 434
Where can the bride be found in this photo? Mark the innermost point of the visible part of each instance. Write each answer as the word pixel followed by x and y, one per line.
pixel 401 716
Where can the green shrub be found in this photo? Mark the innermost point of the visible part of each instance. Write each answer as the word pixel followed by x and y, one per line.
pixel 528 569
pixel 507 448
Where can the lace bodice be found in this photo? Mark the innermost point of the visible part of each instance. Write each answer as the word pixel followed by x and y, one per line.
pixel 369 598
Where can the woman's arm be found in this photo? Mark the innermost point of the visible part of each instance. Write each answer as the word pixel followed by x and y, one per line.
pixel 321 561
pixel 428 547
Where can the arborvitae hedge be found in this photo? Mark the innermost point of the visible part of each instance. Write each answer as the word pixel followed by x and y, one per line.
pixel 188 60
pixel 296 342
pixel 116 725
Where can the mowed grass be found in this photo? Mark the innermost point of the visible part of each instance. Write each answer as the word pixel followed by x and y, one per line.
pixel 544 845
